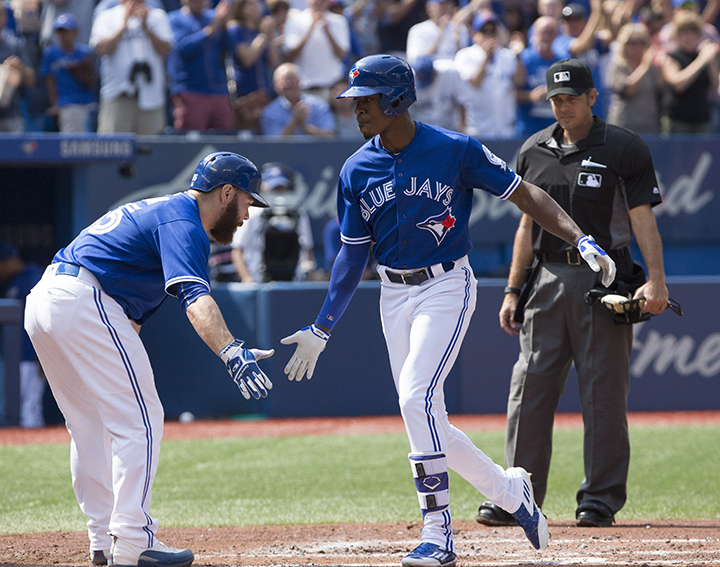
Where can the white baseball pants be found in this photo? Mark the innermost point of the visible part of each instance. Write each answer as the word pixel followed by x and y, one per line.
pixel 100 375
pixel 424 326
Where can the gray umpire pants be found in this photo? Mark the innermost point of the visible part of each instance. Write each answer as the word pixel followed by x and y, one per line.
pixel 560 329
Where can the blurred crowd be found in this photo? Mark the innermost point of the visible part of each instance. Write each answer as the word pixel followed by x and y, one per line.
pixel 273 67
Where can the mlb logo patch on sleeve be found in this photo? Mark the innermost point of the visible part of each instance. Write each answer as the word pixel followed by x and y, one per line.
pixel 590 180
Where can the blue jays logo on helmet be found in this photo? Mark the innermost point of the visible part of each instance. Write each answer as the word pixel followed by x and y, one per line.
pixel 385 74
pixel 220 168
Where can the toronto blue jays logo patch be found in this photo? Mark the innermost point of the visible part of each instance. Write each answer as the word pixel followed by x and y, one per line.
pixel 439 225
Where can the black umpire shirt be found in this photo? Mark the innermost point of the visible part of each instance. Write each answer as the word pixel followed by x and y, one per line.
pixel 597 182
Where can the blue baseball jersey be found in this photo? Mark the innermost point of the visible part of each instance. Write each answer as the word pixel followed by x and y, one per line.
pixel 55 62
pixel 140 250
pixel 415 204
pixel 18 288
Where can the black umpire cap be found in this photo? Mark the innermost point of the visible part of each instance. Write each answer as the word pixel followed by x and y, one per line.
pixel 569 76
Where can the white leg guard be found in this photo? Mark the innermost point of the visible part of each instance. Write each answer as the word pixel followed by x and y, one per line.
pixel 431 482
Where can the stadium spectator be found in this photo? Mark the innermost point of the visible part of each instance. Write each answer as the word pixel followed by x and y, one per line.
pixel 396 19
pixel 439 36
pixel 279 10
pixel 107 4
pixel 82 10
pixel 515 19
pixel 692 72
pixel 357 49
pixel 132 42
pixel 344 113
pixel 364 18
pixel 275 244
pixel 489 75
pixel 69 71
pixel 587 38
pixel 654 20
pixel 534 111
pixel 17 278
pixel 635 81
pixel 16 72
pixel 255 56
pixel 318 41
pixel 707 17
pixel 196 67
pixel 438 90
pixel 293 113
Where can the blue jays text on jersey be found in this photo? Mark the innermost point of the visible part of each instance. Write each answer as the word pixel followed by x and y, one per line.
pixel 415 204
pixel 140 250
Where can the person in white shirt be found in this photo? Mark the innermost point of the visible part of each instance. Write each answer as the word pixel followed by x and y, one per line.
pixel 489 74
pixel 275 244
pixel 132 42
pixel 317 40
pixel 440 36
pixel 437 87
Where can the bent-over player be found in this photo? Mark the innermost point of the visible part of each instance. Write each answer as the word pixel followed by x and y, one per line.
pixel 83 318
pixel 409 191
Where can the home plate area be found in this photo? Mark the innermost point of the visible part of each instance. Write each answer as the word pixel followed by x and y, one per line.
pixel 635 544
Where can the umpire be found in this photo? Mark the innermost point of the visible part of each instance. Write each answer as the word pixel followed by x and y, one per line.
pixel 603 176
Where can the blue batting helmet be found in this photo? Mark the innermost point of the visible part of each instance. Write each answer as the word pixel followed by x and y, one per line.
pixel 220 168
pixel 385 74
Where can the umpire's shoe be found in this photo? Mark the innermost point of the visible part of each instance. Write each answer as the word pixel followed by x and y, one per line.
pixel 430 555
pixel 594 516
pixel 491 515
pixel 125 554
pixel 528 516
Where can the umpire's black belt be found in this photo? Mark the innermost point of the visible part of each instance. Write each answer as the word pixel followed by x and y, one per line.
pixel 571 257
pixel 416 277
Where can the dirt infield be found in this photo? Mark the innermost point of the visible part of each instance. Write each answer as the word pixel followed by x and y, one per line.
pixel 679 544
pixel 637 544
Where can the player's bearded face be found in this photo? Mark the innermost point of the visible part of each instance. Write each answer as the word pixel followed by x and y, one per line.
pixel 228 222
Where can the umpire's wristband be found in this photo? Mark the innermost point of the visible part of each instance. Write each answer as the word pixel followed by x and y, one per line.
pixel 514 290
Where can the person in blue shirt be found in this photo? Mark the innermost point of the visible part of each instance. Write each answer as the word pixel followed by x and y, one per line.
pixel 408 192
pixel 69 71
pixel 255 55
pixel 84 319
pixel 196 67
pixel 534 111
pixel 17 278
pixel 293 113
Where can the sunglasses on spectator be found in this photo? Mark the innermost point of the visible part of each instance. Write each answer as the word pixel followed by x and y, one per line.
pixel 488 29
pixel 635 42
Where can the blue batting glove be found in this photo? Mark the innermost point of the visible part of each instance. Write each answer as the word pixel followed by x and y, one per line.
pixel 241 364
pixel 597 259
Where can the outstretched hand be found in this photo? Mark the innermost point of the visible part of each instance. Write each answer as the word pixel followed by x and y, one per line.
pixel 597 259
pixel 311 342
pixel 241 364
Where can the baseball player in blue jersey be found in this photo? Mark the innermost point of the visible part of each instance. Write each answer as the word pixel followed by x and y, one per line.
pixel 409 191
pixel 84 317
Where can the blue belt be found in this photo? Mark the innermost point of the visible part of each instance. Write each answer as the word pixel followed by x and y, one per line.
pixel 65 269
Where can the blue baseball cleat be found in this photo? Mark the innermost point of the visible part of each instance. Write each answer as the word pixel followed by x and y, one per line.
pixel 126 554
pixel 430 555
pixel 529 517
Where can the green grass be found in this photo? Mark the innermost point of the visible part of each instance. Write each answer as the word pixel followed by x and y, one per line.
pixel 361 478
